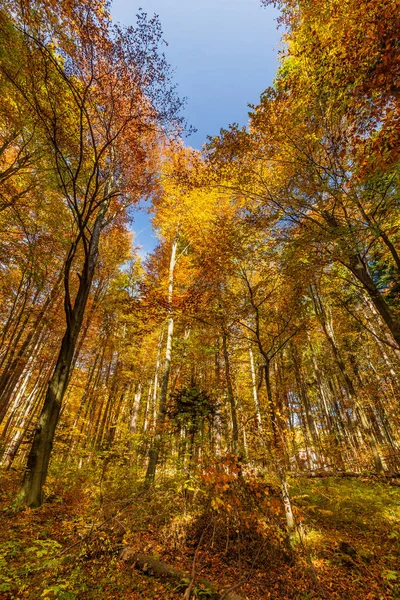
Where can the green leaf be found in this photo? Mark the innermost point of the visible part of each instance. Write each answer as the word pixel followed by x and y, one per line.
pixel 391 575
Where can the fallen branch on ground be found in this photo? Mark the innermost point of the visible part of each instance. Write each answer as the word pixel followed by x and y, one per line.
pixel 345 474
pixel 152 566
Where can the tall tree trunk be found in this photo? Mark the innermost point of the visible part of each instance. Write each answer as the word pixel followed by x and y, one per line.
pixel 309 418
pixel 231 397
pixel 360 272
pixel 86 393
pixel 331 424
pixel 330 336
pixel 21 292
pixel 105 414
pixel 359 268
pixel 135 408
pixel 152 416
pixel 31 493
pixel 24 420
pixel 162 407
pixel 381 335
pixel 255 394
pixel 147 407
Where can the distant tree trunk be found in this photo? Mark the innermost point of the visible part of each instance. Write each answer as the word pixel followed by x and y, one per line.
pixel 31 493
pixel 309 419
pixel 331 424
pixel 152 416
pixel 26 412
pixel 15 309
pixel 270 400
pixel 255 394
pixel 329 334
pixel 88 390
pixel 184 352
pixel 105 416
pixel 24 379
pixel 113 421
pixel 276 446
pixel 231 397
pixel 11 376
pixel 23 427
pixel 162 407
pixel 147 407
pixel 97 297
pixel 89 398
pixel 15 324
pixel 135 408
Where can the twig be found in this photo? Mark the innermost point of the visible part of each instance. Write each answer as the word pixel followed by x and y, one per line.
pixel 91 532
pixel 189 589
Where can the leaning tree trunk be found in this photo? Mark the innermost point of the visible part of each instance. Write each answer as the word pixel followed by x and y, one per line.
pixel 359 268
pixel 360 272
pixel 31 493
pixel 367 430
pixel 9 380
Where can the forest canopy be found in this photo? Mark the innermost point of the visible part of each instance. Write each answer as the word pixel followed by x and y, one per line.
pixel 248 368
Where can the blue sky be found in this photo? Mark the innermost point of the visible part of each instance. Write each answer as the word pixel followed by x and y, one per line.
pixel 224 54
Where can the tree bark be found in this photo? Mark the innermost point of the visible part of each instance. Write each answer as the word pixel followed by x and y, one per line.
pixel 329 334
pixel 255 394
pixel 360 272
pixel 231 397
pixel 162 408
pixel 31 493
pixel 11 376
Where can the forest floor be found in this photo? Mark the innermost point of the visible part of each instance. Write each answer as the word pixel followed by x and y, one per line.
pixel 231 533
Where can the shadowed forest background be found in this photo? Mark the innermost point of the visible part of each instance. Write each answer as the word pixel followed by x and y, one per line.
pixel 221 418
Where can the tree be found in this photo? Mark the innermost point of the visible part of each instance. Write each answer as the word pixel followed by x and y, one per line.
pixel 100 96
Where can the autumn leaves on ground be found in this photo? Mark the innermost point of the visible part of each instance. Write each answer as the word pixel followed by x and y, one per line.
pixel 72 546
pixel 221 418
